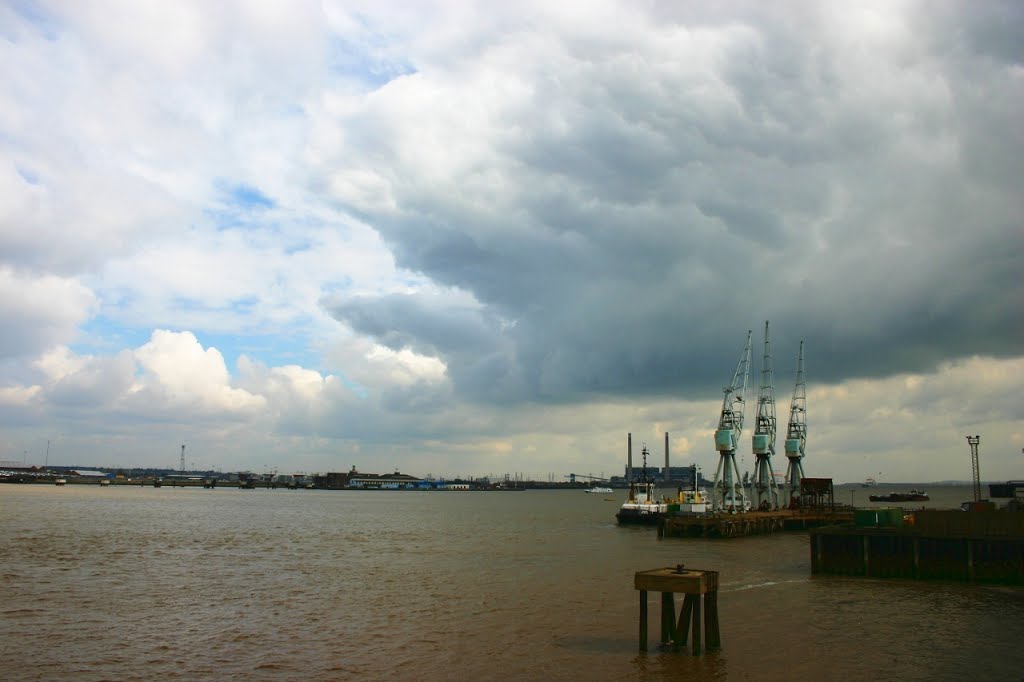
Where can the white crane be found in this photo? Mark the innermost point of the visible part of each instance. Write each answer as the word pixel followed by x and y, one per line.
pixel 766 490
pixel 796 432
pixel 728 490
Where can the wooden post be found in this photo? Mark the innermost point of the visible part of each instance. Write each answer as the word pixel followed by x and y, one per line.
pixel 668 618
pixel 712 638
pixel 867 555
pixel 683 628
pixel 643 620
pixel 917 557
pixel 696 625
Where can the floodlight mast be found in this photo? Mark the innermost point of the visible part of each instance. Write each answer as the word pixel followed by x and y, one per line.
pixel 766 490
pixel 796 432
pixel 728 489
pixel 974 441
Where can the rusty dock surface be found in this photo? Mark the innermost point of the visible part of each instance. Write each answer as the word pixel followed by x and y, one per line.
pixel 749 523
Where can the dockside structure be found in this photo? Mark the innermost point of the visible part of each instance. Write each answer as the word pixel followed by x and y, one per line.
pixel 975 546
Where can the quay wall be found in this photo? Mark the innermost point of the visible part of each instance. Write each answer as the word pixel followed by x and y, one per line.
pixel 936 544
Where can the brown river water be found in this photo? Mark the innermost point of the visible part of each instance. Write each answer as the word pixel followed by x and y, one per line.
pixel 129 583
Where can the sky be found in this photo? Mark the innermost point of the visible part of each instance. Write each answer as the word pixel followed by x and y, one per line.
pixel 477 239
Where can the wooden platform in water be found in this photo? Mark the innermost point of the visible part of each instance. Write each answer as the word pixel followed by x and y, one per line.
pixel 749 523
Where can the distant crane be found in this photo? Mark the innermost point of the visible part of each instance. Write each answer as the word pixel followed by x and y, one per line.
pixel 796 433
pixel 766 490
pixel 973 441
pixel 728 490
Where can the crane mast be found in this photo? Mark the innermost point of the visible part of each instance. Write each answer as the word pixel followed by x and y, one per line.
pixel 796 432
pixel 766 490
pixel 728 490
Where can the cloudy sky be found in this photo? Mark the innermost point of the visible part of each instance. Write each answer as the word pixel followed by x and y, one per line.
pixel 485 238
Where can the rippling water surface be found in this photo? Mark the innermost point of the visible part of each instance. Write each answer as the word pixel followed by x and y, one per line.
pixel 143 583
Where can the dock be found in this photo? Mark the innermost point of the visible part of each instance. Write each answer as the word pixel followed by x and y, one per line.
pixel 750 523
pixel 931 544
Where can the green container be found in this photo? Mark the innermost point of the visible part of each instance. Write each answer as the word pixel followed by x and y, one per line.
pixel 892 517
pixel 888 517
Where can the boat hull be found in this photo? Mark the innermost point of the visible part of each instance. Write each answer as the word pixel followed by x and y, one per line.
pixel 899 497
pixel 639 517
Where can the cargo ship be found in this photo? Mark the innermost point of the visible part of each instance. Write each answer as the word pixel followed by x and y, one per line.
pixel 912 496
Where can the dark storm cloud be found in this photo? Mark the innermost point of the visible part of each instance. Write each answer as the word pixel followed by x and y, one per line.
pixel 648 216
pixel 421 323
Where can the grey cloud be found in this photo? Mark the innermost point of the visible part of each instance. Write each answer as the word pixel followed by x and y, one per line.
pixel 648 216
pixel 100 382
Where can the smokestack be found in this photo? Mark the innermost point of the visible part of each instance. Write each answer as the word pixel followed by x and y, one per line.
pixel 629 457
pixel 667 477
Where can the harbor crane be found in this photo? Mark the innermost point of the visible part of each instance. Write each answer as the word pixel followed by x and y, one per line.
pixel 766 490
pixel 796 432
pixel 727 487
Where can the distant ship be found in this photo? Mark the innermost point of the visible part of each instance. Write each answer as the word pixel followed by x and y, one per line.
pixel 912 496
pixel 869 483
pixel 598 489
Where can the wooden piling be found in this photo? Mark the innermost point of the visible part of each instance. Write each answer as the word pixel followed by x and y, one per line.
pixel 668 615
pixel 695 585
pixel 643 620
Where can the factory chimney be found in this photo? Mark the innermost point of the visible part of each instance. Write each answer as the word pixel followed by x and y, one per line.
pixel 667 477
pixel 629 457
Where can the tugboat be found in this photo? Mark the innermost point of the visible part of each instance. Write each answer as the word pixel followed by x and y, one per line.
pixel 693 501
pixel 642 507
